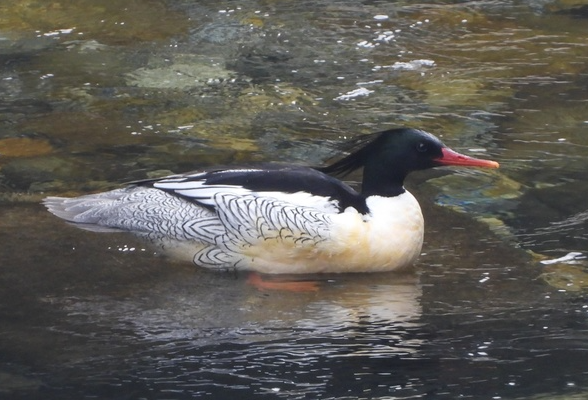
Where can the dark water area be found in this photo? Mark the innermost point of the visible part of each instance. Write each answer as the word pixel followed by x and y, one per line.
pixel 96 93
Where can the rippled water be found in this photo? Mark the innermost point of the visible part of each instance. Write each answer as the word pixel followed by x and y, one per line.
pixel 95 93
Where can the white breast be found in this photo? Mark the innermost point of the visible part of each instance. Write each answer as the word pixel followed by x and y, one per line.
pixel 389 238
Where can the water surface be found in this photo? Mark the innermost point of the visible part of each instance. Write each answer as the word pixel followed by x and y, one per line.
pixel 93 94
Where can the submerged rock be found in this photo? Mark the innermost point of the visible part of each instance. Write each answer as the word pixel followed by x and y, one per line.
pixel 24 147
pixel 17 45
pixel 21 173
pixel 185 74
pixel 104 20
pixel 573 278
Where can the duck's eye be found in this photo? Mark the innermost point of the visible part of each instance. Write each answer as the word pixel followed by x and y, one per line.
pixel 422 147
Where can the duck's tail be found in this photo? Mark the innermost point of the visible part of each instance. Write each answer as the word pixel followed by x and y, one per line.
pixel 87 212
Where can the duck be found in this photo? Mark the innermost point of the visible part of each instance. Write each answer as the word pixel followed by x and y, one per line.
pixel 276 218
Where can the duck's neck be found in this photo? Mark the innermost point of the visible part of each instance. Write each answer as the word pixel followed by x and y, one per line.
pixel 377 182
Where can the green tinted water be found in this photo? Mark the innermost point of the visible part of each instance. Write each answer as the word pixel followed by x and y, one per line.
pixel 97 93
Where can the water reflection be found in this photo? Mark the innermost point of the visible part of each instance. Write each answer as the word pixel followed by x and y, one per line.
pixel 246 341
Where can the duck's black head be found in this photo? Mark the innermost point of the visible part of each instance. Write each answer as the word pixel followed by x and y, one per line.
pixel 388 157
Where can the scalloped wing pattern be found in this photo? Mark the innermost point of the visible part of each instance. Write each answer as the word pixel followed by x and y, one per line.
pixel 240 229
pixel 253 222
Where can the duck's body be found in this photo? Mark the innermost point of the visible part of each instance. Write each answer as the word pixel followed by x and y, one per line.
pixel 280 219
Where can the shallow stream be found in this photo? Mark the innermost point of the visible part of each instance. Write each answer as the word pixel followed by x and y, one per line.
pixel 97 93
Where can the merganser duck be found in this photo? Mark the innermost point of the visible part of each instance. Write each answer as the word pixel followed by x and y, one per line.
pixel 281 219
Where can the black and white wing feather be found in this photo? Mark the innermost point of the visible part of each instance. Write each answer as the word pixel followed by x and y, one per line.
pixel 228 217
pixel 252 223
pixel 254 208
pixel 298 185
